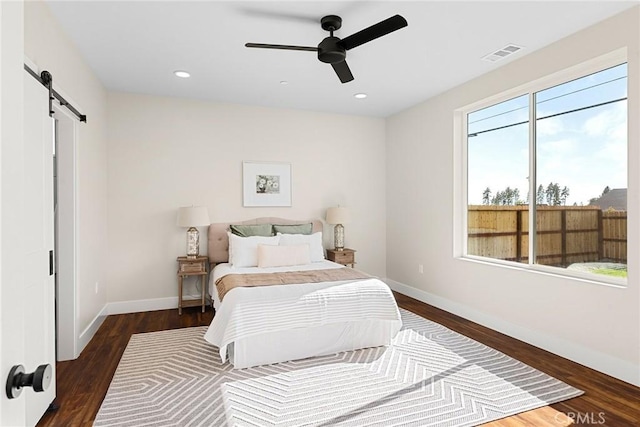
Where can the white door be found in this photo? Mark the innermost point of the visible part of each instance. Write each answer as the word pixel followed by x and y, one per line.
pixel 26 223
pixel 12 412
pixel 39 285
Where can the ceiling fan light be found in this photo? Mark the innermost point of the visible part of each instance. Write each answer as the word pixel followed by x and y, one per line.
pixel 360 95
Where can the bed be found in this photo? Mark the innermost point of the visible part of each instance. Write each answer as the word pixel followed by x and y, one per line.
pixel 259 325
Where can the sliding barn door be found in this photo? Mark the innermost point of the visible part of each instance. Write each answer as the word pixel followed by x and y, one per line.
pixel 39 284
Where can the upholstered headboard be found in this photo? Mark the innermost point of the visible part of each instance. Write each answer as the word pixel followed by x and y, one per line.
pixel 219 241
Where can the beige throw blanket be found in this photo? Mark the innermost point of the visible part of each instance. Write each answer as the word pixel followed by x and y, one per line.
pixel 230 281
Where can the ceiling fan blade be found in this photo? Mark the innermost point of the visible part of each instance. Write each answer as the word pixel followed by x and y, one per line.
pixel 342 70
pixel 380 29
pixel 281 46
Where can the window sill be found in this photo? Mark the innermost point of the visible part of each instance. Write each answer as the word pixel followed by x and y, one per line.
pixel 613 282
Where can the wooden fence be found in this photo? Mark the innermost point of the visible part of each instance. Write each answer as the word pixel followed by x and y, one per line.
pixel 565 234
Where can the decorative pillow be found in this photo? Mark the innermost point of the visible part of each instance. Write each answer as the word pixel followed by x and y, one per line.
pixel 282 256
pixel 313 240
pixel 293 229
pixel 246 230
pixel 243 251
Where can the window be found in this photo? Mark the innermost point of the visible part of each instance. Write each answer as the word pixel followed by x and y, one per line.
pixel 552 163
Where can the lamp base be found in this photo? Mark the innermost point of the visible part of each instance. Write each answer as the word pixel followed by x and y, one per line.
pixel 338 237
pixel 193 243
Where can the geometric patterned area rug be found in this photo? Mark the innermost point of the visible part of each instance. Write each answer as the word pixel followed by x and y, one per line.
pixel 429 376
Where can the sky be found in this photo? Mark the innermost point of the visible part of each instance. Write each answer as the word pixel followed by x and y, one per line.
pixel 584 150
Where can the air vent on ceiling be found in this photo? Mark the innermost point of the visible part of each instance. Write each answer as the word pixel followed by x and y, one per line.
pixel 502 53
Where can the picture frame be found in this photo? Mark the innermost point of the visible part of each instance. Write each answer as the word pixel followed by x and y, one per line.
pixel 266 184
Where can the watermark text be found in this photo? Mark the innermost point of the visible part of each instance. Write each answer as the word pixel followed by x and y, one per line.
pixel 583 418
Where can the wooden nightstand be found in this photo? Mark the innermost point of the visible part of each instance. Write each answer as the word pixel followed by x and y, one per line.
pixel 192 267
pixel 344 257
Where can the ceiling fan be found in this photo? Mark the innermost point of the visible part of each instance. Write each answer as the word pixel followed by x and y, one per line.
pixel 333 50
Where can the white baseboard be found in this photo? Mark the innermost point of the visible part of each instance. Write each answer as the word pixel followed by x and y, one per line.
pixel 137 306
pixel 617 368
pixel 90 331
pixel 121 307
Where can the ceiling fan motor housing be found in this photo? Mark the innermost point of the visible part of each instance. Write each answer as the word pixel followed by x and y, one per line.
pixel 330 51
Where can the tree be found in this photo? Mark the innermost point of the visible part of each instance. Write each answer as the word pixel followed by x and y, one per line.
pixel 498 199
pixel 564 194
pixel 508 197
pixel 554 194
pixel 516 197
pixel 540 195
pixel 486 196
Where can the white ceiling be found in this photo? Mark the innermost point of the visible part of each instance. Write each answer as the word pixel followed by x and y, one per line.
pixel 134 46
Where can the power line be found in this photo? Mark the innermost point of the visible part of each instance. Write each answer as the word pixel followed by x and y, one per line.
pixel 583 89
pixel 583 108
pixel 548 117
pixel 498 128
pixel 499 114
pixel 550 99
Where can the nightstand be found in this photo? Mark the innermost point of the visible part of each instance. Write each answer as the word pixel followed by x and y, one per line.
pixel 344 257
pixel 192 267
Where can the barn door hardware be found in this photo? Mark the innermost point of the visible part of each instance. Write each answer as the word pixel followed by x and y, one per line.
pixel 46 79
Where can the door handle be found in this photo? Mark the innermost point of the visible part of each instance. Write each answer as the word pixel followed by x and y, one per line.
pixel 51 263
pixel 40 380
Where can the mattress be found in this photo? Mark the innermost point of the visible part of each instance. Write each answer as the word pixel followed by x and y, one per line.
pixel 270 324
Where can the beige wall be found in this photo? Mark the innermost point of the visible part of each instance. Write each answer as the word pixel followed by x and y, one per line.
pixel 593 324
pixel 50 49
pixel 170 152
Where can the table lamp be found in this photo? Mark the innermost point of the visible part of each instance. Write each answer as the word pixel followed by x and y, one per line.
pixel 192 217
pixel 338 216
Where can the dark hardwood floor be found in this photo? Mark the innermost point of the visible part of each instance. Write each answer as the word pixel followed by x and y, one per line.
pixel 83 383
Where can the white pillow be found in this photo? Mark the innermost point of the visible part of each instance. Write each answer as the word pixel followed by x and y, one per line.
pixel 313 240
pixel 243 251
pixel 283 256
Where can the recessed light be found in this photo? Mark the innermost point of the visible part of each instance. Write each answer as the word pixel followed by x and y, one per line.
pixel 284 82
pixel 360 95
pixel 182 74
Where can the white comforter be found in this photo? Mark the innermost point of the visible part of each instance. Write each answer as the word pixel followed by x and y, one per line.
pixel 252 311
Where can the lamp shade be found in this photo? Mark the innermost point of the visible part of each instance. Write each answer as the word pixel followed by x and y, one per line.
pixel 193 216
pixel 338 215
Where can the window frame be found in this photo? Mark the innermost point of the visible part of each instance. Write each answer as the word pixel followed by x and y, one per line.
pixel 612 59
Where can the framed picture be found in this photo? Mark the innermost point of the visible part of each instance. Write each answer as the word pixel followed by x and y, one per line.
pixel 266 184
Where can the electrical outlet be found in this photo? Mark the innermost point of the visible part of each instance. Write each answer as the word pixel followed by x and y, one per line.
pixel 420 268
pixel 96 287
